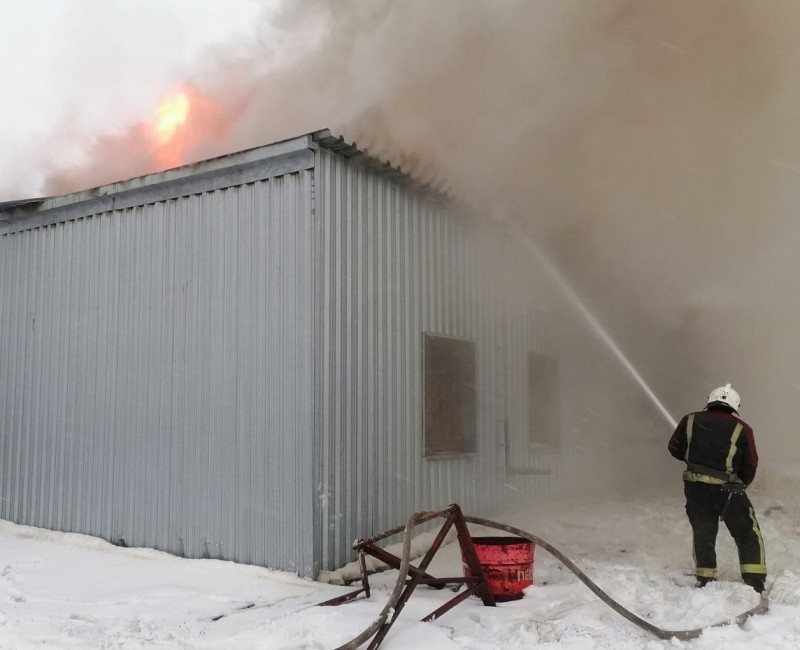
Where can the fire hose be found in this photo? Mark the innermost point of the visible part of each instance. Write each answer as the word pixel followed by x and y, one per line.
pixel 405 561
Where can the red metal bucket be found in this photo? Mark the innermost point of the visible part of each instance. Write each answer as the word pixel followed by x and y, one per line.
pixel 507 563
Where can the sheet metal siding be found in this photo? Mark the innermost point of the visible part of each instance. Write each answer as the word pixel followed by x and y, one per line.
pixel 155 372
pixel 391 266
pixel 593 392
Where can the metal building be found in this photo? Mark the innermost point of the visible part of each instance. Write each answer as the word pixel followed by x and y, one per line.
pixel 264 356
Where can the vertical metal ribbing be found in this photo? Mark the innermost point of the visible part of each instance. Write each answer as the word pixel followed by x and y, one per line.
pixel 156 374
pixel 397 264
pixel 179 376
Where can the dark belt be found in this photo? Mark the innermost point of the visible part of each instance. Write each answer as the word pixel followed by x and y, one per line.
pixel 714 473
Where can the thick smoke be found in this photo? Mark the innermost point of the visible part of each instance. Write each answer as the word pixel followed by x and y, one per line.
pixel 652 145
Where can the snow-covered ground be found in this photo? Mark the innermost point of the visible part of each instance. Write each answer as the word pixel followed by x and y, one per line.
pixel 71 591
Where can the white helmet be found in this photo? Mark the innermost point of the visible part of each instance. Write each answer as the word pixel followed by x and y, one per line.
pixel 725 395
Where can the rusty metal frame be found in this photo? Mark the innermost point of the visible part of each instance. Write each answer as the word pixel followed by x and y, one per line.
pixel 476 584
pixel 380 626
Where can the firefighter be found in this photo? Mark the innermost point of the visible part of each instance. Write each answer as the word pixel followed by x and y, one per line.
pixel 721 461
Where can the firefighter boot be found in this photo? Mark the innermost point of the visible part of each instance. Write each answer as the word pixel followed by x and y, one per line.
pixel 755 580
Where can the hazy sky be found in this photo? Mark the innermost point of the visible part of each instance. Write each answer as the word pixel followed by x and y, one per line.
pixel 99 65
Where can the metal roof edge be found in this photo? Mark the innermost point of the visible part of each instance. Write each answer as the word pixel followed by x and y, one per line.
pixel 204 168
pixel 249 165
pixel 385 168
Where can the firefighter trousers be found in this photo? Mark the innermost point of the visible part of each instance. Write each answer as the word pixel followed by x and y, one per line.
pixel 705 504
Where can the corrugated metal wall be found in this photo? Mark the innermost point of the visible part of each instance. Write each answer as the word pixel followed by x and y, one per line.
pixel 390 266
pixel 155 368
pixel 238 373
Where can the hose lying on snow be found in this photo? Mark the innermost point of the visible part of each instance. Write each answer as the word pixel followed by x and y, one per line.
pixel 613 604
pixel 419 517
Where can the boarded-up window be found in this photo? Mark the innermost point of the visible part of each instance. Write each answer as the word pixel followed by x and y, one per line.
pixel 543 400
pixel 450 395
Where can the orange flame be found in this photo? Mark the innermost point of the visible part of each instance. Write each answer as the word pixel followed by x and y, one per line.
pixel 185 120
pixel 173 111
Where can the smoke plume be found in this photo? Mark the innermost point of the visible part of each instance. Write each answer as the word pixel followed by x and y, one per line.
pixel 653 147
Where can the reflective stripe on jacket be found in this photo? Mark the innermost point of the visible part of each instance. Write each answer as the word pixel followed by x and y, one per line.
pixel 717 439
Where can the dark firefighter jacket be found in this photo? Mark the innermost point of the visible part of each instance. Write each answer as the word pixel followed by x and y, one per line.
pixel 716 440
